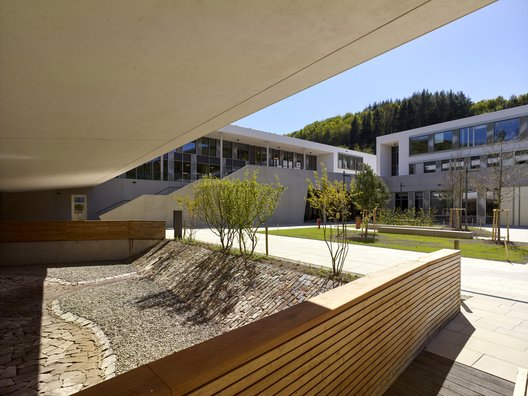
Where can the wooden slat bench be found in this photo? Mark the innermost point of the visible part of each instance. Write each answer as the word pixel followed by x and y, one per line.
pixel 355 339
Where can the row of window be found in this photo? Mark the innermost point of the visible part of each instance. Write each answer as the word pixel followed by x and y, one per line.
pixel 204 153
pixel 508 159
pixel 349 162
pixel 441 202
pixel 465 137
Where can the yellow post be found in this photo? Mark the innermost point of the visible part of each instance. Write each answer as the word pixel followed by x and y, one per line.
pixel 508 224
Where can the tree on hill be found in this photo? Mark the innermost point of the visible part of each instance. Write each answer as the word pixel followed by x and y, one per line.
pixel 358 131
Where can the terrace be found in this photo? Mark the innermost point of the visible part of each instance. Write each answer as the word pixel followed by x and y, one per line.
pixel 373 327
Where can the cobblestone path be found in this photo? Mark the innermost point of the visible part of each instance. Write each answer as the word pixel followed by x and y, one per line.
pixel 41 353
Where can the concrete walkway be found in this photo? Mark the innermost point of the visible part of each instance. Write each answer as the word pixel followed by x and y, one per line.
pixel 516 234
pixel 491 331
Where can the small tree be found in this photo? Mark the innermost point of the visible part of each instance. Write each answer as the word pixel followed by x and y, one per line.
pixel 501 173
pixel 235 209
pixel 216 206
pixel 368 192
pixel 256 203
pixel 189 220
pixel 333 201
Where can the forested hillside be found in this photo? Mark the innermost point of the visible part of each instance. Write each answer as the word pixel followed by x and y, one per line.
pixel 358 131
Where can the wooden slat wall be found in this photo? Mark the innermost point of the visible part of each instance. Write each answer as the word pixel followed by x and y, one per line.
pixel 45 231
pixel 355 339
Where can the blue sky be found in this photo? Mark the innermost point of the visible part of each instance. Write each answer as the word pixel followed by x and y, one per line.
pixel 484 54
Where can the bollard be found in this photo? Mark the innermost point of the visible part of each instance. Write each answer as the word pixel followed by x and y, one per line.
pixel 457 244
pixel 177 223
pixel 266 240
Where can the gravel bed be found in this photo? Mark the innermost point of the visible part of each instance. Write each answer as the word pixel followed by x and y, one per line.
pixel 142 320
pixel 83 273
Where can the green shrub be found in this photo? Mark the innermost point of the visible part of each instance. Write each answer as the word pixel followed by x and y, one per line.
pixel 410 217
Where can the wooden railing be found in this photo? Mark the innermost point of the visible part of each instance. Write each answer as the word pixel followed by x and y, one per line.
pixel 46 231
pixel 355 339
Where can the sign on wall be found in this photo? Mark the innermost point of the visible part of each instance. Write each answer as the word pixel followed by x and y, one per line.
pixel 79 207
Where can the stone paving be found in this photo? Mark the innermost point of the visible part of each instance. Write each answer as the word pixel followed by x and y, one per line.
pixel 231 291
pixel 42 350
pixel 45 349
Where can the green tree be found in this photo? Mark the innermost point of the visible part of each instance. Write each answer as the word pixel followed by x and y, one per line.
pixel 216 205
pixel 359 130
pixel 368 192
pixel 256 203
pixel 235 209
pixel 333 202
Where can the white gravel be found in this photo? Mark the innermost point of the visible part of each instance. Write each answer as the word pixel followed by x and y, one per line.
pixel 142 320
pixel 82 273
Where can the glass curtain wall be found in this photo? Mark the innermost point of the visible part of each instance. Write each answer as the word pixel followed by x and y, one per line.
pixel 202 157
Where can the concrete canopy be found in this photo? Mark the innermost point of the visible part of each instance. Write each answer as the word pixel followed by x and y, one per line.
pixel 92 88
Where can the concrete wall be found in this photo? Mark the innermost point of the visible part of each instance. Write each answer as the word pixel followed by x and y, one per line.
pixel 118 191
pixel 58 252
pixel 290 210
pixel 517 203
pixel 38 205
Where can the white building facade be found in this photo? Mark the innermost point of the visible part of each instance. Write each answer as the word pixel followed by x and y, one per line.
pixel 418 165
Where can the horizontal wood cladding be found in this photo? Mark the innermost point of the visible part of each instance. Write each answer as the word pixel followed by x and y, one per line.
pixel 46 231
pixel 355 339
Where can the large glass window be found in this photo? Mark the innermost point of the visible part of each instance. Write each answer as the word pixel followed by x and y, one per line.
pixel 418 145
pixel 202 170
pixel 242 152
pixel 204 146
pixel 402 201
pixel 443 141
pixel 145 171
pixel 458 163
pixel 275 158
pixel 473 136
pixel 349 162
pixel 506 130
pixel 178 170
pixel 186 171
pixel 260 156
pixel 131 174
pixel 521 157
pixel 214 170
pixel 165 166
pixel 212 148
pixel 311 162
pixel 491 203
pixel 445 165
pixel 156 169
pixel 418 200
pixel 395 160
pixel 475 162
pixel 440 203
pixel 189 148
pixel 480 137
pixel 228 150
pixel 430 167
pixel 412 169
pixel 493 160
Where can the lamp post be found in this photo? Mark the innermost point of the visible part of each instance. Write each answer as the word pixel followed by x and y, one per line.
pixel 466 193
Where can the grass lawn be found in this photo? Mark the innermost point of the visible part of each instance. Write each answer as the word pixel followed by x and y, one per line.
pixel 474 248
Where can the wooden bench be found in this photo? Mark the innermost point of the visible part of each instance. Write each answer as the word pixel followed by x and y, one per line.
pixel 355 339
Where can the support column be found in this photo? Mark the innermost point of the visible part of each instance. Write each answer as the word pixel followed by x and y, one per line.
pixel 221 155
pixel 267 155
pixel 304 159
